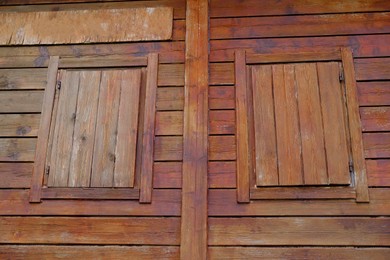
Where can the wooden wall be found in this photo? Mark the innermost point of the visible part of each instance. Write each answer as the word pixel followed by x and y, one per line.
pixel 105 229
pixel 278 229
pixel 299 229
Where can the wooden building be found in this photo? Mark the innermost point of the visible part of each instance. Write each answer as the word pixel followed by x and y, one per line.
pixel 194 129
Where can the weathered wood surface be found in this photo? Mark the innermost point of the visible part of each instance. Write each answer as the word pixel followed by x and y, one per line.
pixel 22 79
pixel 300 231
pixel 21 149
pixel 375 119
pixel 374 93
pixel 376 145
pixel 88 252
pixel 16 125
pixel 378 172
pixel 165 203
pixel 78 230
pixel 15 175
pixel 109 25
pixel 299 25
pixel 297 253
pixel 21 101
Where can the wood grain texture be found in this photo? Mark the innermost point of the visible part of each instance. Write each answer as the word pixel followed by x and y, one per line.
pixel 21 101
pixel 334 123
pixel 299 231
pixel 221 97
pixel 149 130
pixel 222 203
pixel 171 98
pixel 287 126
pixel 299 25
pixel 16 203
pixel 378 172
pixel 17 149
pixel 222 148
pixel 169 123
pixel 303 193
pixel 86 27
pixel 78 230
pixel 15 175
pixel 372 69
pixel 242 133
pixel 376 145
pixel 15 125
pixel 355 126
pixel 88 252
pixel 298 253
pixel 375 93
pixel 11 79
pixel 193 242
pixel 43 132
pixel 376 119
pixel 264 126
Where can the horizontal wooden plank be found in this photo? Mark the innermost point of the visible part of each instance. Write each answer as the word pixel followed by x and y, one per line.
pixel 372 69
pixel 374 93
pixel 221 74
pixel 170 98
pixel 15 175
pixel 217 252
pixel 101 25
pixel 168 148
pixel 21 149
pixel 20 101
pixel 224 203
pixel 61 5
pixel 299 25
pixel 376 145
pixel 87 252
pixel 378 172
pixel 222 148
pixel 303 193
pixel 375 118
pixel 222 97
pixel 19 124
pixel 222 122
pixel 90 230
pixel 16 203
pixel 231 8
pixel 22 79
pixel 103 61
pixel 90 193
pixel 167 175
pixel 171 75
pixel 362 46
pixel 222 174
pixel 169 123
pixel 300 231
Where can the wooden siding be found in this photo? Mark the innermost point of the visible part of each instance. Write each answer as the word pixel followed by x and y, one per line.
pixel 267 229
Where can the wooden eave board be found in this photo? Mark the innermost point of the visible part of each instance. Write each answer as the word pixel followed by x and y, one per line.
pixel 86 26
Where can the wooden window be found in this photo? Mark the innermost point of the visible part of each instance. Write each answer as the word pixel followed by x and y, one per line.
pixel 91 141
pixel 299 125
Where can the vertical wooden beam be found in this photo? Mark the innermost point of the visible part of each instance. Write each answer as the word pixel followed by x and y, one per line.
pixel 242 127
pixel 194 189
pixel 355 127
pixel 43 132
pixel 148 135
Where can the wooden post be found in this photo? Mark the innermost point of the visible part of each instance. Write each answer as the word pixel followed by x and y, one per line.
pixel 43 133
pixel 194 190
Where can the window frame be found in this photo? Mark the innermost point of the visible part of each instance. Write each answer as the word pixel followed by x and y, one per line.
pixel 246 176
pixel 146 127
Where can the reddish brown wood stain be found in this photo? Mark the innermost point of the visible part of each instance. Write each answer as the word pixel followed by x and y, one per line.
pixel 194 209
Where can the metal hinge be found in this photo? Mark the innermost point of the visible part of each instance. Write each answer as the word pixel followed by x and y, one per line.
pixel 341 76
pixel 58 84
pixel 47 170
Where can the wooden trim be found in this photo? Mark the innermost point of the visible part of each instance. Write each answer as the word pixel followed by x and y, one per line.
pixel 254 58
pixel 91 193
pixel 148 130
pixel 102 61
pixel 43 132
pixel 242 128
pixel 355 127
pixel 303 193
pixel 195 155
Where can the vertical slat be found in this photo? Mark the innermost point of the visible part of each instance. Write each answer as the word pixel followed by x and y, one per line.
pixel 287 127
pixel 242 128
pixel 193 244
pixel 106 127
pixel 310 118
pixel 127 129
pixel 84 131
pixel 43 132
pixel 63 131
pixel 264 122
pixel 333 119
pixel 148 130
pixel 355 127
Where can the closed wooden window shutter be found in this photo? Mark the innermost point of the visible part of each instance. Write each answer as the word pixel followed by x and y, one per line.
pixel 298 127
